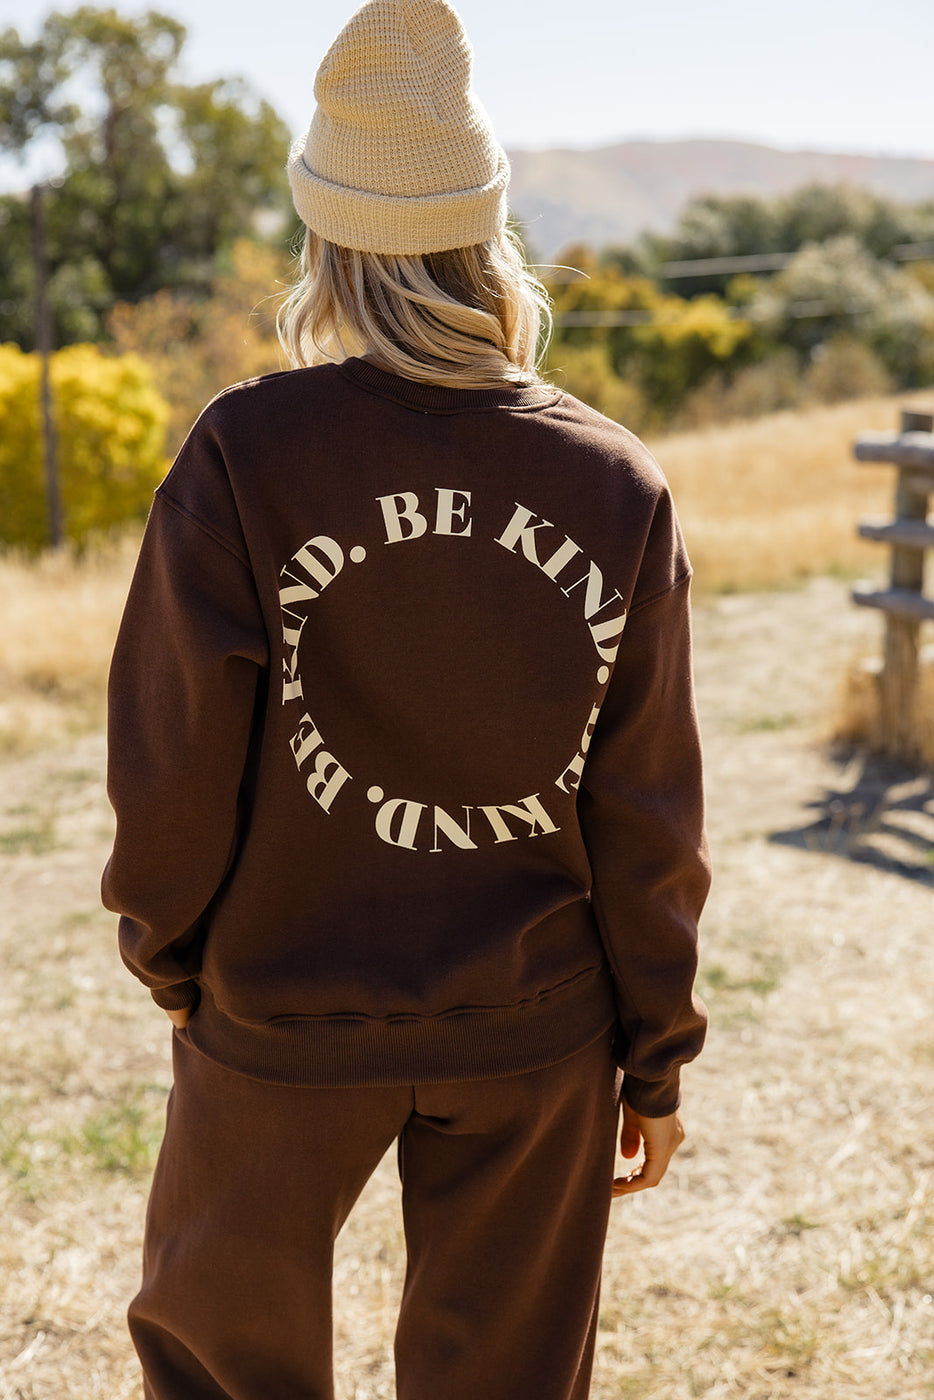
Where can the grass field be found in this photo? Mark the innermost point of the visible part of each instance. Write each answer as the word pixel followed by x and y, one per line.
pixel 790 1253
pixel 775 500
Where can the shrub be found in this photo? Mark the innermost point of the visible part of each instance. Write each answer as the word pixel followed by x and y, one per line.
pixel 838 289
pixel 769 387
pixel 110 425
pixel 846 368
pixel 196 346
pixel 585 372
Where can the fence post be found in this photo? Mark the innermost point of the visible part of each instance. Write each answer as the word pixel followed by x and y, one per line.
pixel 903 603
pixel 899 682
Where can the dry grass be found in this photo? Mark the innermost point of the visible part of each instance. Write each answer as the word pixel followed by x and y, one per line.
pixel 60 615
pixel 775 500
pixel 858 715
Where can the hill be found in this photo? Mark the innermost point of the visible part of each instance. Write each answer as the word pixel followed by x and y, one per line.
pixel 611 194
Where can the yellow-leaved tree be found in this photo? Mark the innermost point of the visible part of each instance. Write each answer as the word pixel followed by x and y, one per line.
pixel 111 426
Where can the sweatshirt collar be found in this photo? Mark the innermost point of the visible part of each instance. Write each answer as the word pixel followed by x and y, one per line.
pixel 438 398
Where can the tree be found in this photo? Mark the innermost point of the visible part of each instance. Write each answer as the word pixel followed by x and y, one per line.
pixel 31 77
pixel 716 226
pixel 837 288
pixel 158 177
pixel 112 428
pixel 713 226
pixel 196 346
pixel 661 350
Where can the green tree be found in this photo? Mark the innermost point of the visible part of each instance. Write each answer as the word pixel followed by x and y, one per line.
pixel 716 226
pixel 711 226
pixel 158 178
pixel 31 78
pixel 819 213
pixel 837 288
pixel 661 347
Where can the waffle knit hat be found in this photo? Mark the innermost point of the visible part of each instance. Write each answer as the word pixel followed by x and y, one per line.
pixel 400 156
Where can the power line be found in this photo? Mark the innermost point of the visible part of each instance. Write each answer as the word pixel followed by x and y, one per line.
pixel 708 267
pixel 773 262
pixel 795 310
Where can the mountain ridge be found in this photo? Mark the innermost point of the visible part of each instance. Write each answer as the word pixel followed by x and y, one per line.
pixel 609 194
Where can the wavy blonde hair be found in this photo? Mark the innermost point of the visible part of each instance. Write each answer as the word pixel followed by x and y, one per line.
pixel 471 318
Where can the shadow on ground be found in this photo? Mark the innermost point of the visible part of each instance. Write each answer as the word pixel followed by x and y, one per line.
pixel 881 814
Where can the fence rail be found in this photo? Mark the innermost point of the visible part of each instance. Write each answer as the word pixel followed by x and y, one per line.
pixel 904 603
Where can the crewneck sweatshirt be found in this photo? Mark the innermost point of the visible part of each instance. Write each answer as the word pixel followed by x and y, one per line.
pixel 402 740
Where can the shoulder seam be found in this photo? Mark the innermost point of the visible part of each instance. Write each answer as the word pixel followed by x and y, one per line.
pixel 205 529
pixel 663 593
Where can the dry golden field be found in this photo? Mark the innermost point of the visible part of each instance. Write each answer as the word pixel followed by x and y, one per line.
pixel 789 1255
pixel 775 500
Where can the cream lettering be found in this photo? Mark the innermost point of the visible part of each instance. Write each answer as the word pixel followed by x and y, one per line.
pixel 610 631
pixel 319 570
pixel 448 512
pixel 594 601
pixel 404 519
pixel 404 831
pixel 307 574
pixel 528 810
pixel 328 776
pixel 399 508
pixel 572 774
pixel 561 557
pixel 460 836
pixel 520 532
pixel 292 681
pixel 400 822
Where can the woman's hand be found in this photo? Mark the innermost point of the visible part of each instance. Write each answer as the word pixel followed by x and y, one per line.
pixel 661 1138
pixel 180 1018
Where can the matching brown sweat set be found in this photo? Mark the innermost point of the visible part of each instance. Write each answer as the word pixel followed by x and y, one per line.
pixel 406 772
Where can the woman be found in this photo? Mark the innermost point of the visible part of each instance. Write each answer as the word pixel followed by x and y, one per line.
pixel 406 772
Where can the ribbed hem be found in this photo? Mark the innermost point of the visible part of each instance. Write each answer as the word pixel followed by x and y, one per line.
pixel 397 224
pixel 438 398
pixel 472 1043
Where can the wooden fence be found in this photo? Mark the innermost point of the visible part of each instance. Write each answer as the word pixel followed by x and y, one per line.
pixel 904 603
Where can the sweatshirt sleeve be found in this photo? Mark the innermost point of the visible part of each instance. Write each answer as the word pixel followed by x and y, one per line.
pixel 184 682
pixel 641 810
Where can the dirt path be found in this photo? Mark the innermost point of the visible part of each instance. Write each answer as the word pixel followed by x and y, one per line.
pixel 790 1252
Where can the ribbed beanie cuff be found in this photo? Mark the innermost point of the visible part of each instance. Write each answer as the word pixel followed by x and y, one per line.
pixel 400 156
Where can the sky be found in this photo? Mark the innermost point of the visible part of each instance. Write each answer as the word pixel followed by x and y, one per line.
pixel 815 74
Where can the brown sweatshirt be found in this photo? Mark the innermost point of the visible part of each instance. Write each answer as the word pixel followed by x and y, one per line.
pixel 403 749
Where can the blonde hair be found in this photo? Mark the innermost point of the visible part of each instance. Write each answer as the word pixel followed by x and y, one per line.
pixel 471 318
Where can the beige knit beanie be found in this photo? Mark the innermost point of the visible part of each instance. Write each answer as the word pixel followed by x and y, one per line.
pixel 400 156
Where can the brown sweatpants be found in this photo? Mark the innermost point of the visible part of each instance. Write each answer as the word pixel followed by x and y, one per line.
pixel 506 1194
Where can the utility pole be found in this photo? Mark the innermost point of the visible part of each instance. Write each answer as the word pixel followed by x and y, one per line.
pixel 44 348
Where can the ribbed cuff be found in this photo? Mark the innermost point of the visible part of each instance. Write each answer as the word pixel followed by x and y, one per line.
pixel 653 1100
pixel 177 996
